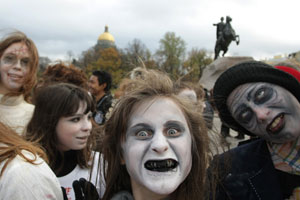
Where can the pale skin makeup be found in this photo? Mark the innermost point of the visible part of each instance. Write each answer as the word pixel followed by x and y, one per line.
pixel 14 67
pixel 157 149
pixel 266 110
pixel 73 131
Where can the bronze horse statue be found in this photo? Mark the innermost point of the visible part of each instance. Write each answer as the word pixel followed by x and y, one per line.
pixel 227 35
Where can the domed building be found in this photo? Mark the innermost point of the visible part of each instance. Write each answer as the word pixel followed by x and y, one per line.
pixel 105 40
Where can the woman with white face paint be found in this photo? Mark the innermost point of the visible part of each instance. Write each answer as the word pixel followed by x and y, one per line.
pixel 155 144
pixel 18 68
pixel 259 100
pixel 61 124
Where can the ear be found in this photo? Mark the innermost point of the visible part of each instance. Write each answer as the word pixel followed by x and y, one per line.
pixel 104 85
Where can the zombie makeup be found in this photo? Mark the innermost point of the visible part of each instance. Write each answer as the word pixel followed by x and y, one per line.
pixel 267 110
pixel 157 148
pixel 73 131
pixel 14 67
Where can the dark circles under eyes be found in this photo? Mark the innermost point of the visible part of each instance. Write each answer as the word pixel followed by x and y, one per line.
pixel 262 95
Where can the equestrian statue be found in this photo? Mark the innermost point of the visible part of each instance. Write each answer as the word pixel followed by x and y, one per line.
pixel 225 35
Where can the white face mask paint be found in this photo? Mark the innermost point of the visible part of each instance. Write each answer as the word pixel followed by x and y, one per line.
pixel 266 110
pixel 157 149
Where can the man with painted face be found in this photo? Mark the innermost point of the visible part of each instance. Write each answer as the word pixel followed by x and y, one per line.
pixel 259 100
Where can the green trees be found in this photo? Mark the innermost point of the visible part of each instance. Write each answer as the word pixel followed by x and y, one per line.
pixel 110 61
pixel 169 57
pixel 171 54
pixel 197 60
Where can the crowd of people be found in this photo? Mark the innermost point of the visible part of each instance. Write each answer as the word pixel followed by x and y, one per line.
pixel 66 136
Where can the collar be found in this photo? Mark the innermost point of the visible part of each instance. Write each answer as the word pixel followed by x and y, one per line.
pixel 286 157
pixel 11 100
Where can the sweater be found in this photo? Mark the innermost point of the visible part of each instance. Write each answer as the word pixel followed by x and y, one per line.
pixel 15 112
pixel 23 180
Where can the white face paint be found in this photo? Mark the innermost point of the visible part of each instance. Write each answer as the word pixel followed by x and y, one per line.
pixel 189 94
pixel 14 67
pixel 266 110
pixel 157 149
pixel 73 131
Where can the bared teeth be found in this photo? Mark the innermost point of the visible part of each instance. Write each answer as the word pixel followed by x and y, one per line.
pixel 276 122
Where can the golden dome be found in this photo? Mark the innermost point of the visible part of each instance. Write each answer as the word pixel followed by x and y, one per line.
pixel 106 35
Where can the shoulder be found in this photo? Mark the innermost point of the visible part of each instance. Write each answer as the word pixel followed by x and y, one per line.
pixel 27 106
pixel 248 156
pixel 24 180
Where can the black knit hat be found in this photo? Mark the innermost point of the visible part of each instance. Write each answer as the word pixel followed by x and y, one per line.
pixel 248 72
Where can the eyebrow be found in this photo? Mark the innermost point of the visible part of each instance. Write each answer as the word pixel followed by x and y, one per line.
pixel 176 124
pixel 140 125
pixel 250 94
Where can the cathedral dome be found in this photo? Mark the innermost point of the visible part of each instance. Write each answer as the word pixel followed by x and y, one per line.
pixel 106 35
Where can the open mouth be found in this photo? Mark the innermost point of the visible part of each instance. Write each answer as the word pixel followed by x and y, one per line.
pixel 161 165
pixel 82 138
pixel 276 125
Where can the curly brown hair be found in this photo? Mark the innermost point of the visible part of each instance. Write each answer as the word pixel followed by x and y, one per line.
pixel 63 73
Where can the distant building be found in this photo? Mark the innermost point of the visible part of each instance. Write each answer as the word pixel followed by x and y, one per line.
pixel 105 40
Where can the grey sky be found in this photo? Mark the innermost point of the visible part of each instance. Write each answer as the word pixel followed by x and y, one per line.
pixel 266 27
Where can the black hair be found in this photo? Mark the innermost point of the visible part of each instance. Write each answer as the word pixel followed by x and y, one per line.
pixel 103 77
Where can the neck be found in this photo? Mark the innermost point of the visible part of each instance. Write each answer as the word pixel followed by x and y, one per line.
pixel 99 95
pixel 3 90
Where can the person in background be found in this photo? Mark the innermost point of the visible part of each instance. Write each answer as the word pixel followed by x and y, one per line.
pixel 24 173
pixel 61 124
pixel 18 68
pixel 63 73
pixel 99 85
pixel 262 101
pixel 156 142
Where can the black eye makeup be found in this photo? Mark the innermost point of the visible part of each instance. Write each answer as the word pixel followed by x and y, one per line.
pixel 263 94
pixel 141 131
pixel 244 115
pixel 173 129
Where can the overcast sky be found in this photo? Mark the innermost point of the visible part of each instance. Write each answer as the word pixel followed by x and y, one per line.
pixel 266 27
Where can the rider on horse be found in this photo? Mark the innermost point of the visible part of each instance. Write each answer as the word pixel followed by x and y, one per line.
pixel 224 37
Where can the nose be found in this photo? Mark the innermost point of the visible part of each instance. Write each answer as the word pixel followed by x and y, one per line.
pixel 17 65
pixel 262 113
pixel 86 125
pixel 159 143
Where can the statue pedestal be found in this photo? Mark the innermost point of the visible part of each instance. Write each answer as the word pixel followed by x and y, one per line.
pixel 216 68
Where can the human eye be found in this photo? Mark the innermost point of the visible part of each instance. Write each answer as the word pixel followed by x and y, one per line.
pixel 25 62
pixel 9 59
pixel 75 119
pixel 173 132
pixel 245 115
pixel 263 94
pixel 143 134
